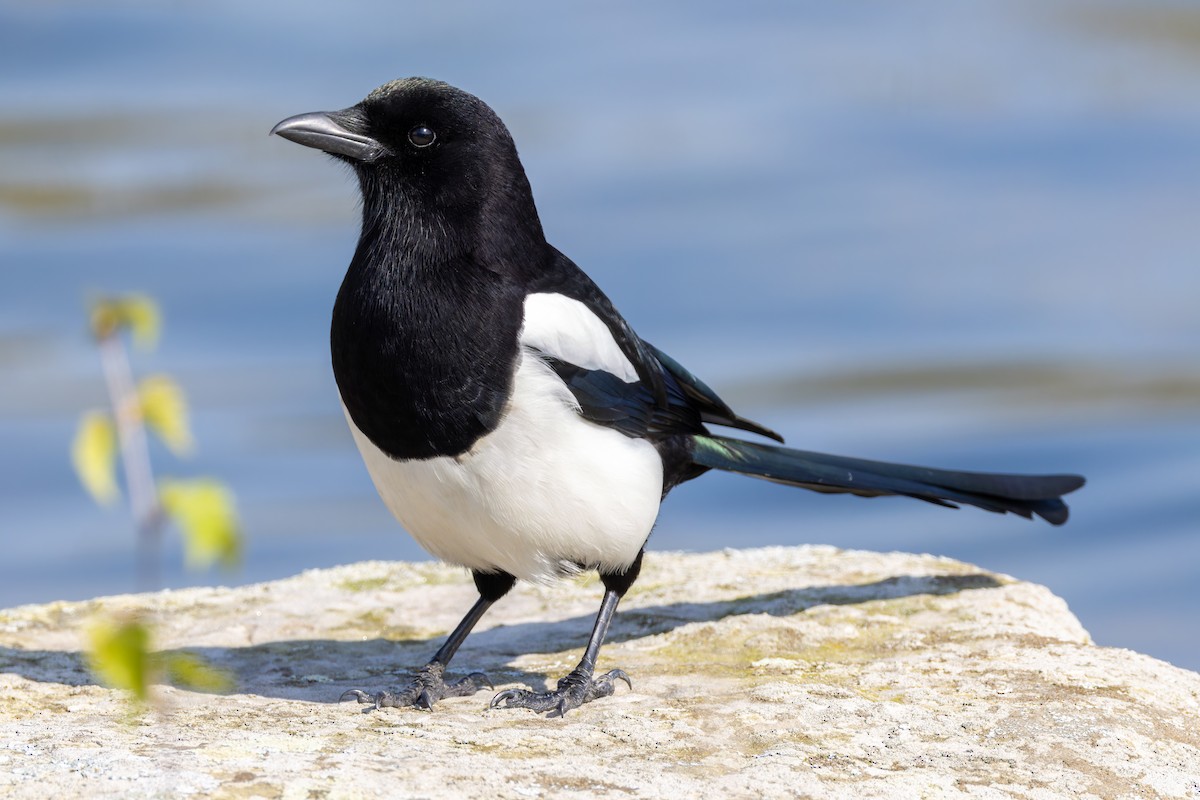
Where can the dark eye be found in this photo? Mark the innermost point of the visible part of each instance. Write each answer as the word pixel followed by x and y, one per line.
pixel 421 136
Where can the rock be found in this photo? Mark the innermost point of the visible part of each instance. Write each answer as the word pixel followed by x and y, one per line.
pixel 780 672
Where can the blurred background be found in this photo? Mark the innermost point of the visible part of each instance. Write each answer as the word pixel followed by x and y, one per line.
pixel 954 234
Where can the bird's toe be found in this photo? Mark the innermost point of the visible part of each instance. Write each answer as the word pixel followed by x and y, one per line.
pixel 424 690
pixel 573 691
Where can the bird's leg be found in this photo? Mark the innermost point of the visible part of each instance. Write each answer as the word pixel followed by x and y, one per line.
pixel 427 686
pixel 580 685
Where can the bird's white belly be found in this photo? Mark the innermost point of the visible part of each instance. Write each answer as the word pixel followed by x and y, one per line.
pixel 545 491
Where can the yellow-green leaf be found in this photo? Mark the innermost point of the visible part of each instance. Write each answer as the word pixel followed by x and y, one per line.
pixel 136 312
pixel 119 655
pixel 164 411
pixel 204 510
pixel 94 455
pixel 190 671
pixel 143 318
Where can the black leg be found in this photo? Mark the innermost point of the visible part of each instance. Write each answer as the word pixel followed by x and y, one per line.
pixel 580 686
pixel 427 686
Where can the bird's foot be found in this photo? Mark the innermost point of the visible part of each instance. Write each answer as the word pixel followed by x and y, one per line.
pixel 577 688
pixel 425 689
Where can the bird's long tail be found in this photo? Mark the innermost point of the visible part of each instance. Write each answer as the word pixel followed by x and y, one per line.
pixel 1025 495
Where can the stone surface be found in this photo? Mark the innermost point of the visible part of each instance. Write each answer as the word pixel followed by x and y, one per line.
pixel 781 672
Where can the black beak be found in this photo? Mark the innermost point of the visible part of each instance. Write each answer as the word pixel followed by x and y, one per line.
pixel 335 132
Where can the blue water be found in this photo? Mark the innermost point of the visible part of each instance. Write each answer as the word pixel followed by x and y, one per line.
pixel 945 233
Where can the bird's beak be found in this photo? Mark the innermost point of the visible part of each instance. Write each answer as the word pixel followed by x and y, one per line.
pixel 335 132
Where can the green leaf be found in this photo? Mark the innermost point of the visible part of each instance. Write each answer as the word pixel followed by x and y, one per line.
pixel 164 411
pixel 190 671
pixel 135 312
pixel 204 510
pixel 94 456
pixel 119 655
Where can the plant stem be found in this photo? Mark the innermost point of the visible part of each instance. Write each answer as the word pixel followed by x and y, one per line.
pixel 135 456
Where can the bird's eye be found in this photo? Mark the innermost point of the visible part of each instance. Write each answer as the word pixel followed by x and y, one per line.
pixel 421 136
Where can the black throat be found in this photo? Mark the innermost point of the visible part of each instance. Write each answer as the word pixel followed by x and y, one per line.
pixel 425 327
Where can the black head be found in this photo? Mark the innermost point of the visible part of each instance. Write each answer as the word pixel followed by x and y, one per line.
pixel 425 327
pixel 422 147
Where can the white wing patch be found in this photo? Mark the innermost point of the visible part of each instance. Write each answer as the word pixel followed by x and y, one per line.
pixel 567 329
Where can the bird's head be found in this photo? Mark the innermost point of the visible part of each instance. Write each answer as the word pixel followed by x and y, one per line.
pixel 422 147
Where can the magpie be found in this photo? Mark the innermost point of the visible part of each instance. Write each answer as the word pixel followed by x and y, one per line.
pixel 509 417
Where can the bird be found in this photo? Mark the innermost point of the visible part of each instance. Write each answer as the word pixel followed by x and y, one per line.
pixel 509 416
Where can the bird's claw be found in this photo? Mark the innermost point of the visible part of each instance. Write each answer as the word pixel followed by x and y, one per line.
pixel 425 689
pixel 506 695
pixel 574 690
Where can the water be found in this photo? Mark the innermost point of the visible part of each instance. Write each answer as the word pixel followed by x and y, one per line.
pixel 955 234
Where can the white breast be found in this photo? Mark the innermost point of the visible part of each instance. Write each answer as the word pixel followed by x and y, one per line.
pixel 545 491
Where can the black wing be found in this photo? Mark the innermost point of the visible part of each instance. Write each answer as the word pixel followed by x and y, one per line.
pixel 628 407
pixel 667 399
pixel 711 407
pixel 565 278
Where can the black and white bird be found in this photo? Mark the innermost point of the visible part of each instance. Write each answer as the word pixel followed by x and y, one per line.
pixel 510 418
